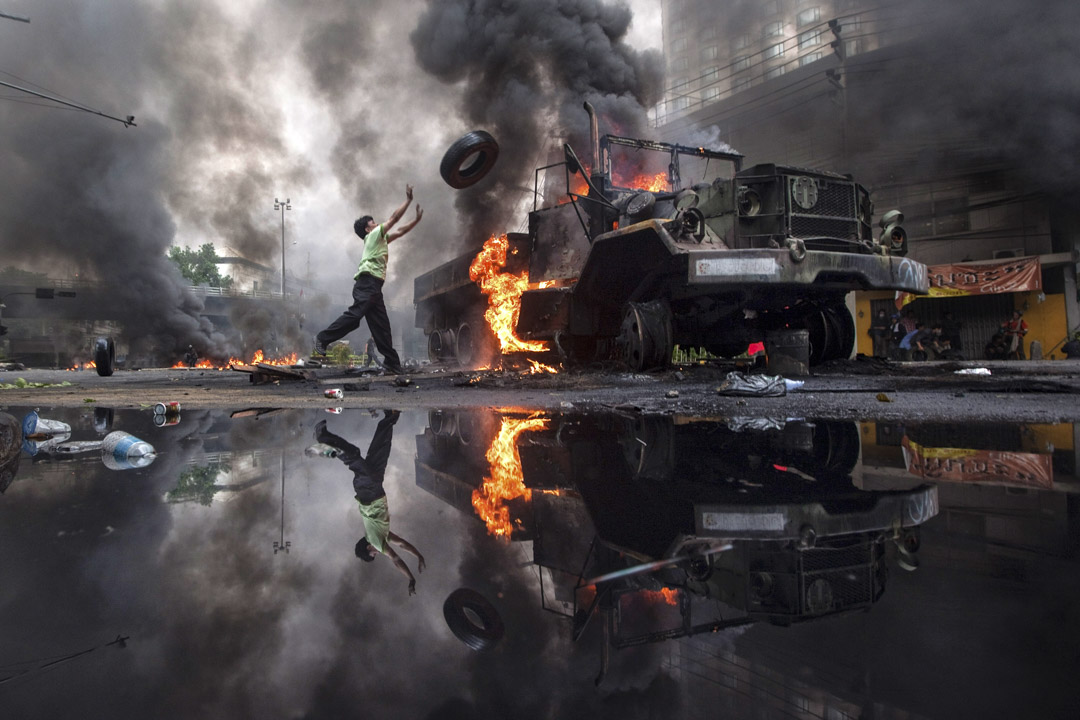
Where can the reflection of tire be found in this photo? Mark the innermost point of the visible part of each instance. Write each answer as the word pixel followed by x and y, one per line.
pixel 104 353
pixel 469 159
pixel 473 619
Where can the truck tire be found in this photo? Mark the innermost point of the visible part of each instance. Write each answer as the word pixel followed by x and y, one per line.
pixel 645 336
pixel 473 619
pixel 469 159
pixel 104 354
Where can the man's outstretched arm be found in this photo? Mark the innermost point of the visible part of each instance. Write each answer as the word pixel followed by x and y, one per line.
pixel 396 215
pixel 390 237
pixel 400 565
pixel 407 546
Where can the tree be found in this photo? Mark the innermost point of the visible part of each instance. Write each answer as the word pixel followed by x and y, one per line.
pixel 199 266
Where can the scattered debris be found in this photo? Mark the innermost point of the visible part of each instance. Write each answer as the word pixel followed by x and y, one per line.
pixel 741 384
pixel 402 382
pixel 262 373
pixel 356 387
pixel 973 371
pixel 672 394
pixel 22 383
pixel 882 397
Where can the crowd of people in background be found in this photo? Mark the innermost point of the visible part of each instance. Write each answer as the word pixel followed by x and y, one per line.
pixel 903 337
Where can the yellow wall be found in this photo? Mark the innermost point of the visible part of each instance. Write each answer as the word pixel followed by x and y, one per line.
pixel 1046 322
pixel 864 344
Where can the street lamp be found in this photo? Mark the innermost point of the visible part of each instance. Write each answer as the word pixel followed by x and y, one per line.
pixel 282 206
pixel 282 545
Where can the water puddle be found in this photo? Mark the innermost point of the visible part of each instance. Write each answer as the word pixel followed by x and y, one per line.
pixel 769 567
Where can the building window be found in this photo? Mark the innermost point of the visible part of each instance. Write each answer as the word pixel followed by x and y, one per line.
pixel 680 103
pixel 774 72
pixel 678 25
pixel 740 84
pixel 774 51
pixel 679 45
pixel 809 58
pixel 708 32
pixel 710 74
pixel 680 85
pixel 808 16
pixel 853 47
pixel 740 63
pixel 709 53
pixel 680 63
pixel 770 7
pixel 773 29
pixel 741 42
pixel 809 39
pixel 711 94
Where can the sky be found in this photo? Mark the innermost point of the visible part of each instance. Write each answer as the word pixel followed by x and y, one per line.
pixel 335 106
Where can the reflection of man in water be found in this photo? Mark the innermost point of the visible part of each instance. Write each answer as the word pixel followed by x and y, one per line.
pixel 368 486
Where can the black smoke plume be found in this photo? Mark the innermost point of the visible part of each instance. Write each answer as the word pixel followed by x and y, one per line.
pixel 525 67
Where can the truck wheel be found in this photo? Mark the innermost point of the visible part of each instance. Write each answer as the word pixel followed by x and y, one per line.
pixel 104 354
pixel 645 337
pixel 469 159
pixel 441 345
pixel 473 619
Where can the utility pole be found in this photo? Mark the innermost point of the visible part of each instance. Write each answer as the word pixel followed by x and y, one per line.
pixel 282 206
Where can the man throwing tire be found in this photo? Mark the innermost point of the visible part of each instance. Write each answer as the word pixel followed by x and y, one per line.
pixel 367 289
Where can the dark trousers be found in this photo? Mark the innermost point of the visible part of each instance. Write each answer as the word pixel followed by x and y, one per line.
pixel 367 472
pixel 367 303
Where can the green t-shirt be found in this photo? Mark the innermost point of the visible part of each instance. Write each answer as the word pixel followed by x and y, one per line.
pixel 376 251
pixel 376 523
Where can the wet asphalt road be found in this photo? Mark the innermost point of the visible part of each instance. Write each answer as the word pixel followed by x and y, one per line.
pixel 861 389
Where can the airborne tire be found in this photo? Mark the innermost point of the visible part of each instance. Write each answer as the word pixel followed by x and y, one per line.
pixel 469 159
pixel 473 619
pixel 104 354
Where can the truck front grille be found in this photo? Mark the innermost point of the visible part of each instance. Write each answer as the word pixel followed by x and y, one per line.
pixel 831 212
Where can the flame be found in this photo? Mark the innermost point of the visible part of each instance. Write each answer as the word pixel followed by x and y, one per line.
pixel 257 357
pixel 666 595
pixel 538 367
pixel 506 481
pixel 84 366
pixel 504 295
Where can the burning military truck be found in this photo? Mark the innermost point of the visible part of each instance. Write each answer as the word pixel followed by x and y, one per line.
pixel 654 245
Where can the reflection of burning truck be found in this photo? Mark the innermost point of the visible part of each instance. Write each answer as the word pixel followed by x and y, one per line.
pixel 660 528
pixel 717 257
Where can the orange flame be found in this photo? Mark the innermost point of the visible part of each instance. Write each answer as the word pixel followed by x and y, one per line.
pixel 506 481
pixel 257 357
pixel 84 366
pixel 666 595
pixel 504 295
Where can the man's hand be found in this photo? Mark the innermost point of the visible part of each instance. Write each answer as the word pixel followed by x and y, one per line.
pixel 419 214
pixel 412 587
pixel 421 566
pixel 408 191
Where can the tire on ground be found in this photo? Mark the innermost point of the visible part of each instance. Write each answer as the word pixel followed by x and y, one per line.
pixel 469 159
pixel 104 354
pixel 473 619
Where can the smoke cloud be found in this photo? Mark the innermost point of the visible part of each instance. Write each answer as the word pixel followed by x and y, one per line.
pixel 524 69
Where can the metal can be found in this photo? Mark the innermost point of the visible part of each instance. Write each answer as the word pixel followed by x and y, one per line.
pixel 166 420
pixel 334 411
pixel 167 408
pixel 334 393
